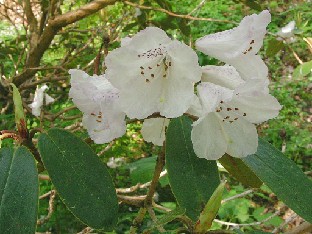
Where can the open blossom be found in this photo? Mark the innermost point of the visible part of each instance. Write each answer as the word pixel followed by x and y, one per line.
pixel 153 74
pixel 40 98
pixel 96 97
pixel 239 46
pixel 154 130
pixel 227 117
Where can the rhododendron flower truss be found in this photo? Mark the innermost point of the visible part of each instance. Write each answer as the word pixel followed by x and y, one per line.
pixel 154 130
pixel 153 74
pixel 96 97
pixel 226 123
pixel 40 98
pixel 239 46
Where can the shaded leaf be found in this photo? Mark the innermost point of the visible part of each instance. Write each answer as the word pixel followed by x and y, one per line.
pixel 274 46
pixel 240 171
pixel 283 177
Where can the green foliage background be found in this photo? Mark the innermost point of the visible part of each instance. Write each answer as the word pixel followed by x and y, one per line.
pixel 289 132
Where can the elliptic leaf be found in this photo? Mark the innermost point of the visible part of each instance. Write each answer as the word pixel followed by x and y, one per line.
pixel 18 191
pixel 81 179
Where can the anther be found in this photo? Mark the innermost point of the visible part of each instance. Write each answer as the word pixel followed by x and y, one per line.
pixel 236 108
pixel 142 67
pixel 147 80
pixel 228 109
pixel 221 102
pixel 169 64
pixel 142 72
pixel 236 118
pixel 231 121
pixel 158 65
pixel 164 75
pixel 244 114
pixel 252 41
pixel 152 75
pixel 139 55
pixel 149 68
pixel 99 121
pixel 227 117
pixel 93 114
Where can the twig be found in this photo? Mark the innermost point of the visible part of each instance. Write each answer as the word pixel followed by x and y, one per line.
pixel 50 210
pixel 237 196
pixel 305 227
pixel 177 15
pixel 138 220
pixel 287 221
pixel 248 224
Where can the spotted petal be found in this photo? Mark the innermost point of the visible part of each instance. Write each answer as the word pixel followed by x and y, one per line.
pixel 153 74
pixel 229 44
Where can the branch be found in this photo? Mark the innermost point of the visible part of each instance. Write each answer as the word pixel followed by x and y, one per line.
pixel 177 15
pixel 49 32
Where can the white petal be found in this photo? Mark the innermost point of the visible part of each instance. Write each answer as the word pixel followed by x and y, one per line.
pixel 88 92
pixel 105 127
pixel 125 41
pixel 250 66
pixel 210 96
pixel 208 137
pixel 141 99
pixel 225 76
pixel 184 62
pixel 176 98
pixel 196 108
pixel 48 99
pixel 38 100
pixel 153 130
pixel 242 138
pixel 257 108
pixel 244 39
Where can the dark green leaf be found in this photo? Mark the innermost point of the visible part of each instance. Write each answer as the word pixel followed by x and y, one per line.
pixel 240 171
pixel 274 46
pixel 192 179
pixel 283 177
pixel 80 178
pixel 18 191
pixel 253 5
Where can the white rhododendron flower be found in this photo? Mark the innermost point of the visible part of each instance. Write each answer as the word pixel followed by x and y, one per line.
pixel 153 74
pixel 226 120
pixel 40 98
pixel 239 46
pixel 154 130
pixel 96 97
pixel 288 30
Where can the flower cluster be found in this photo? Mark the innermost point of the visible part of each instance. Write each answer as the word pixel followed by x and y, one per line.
pixel 150 73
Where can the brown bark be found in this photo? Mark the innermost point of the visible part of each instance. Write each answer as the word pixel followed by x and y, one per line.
pixel 39 44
